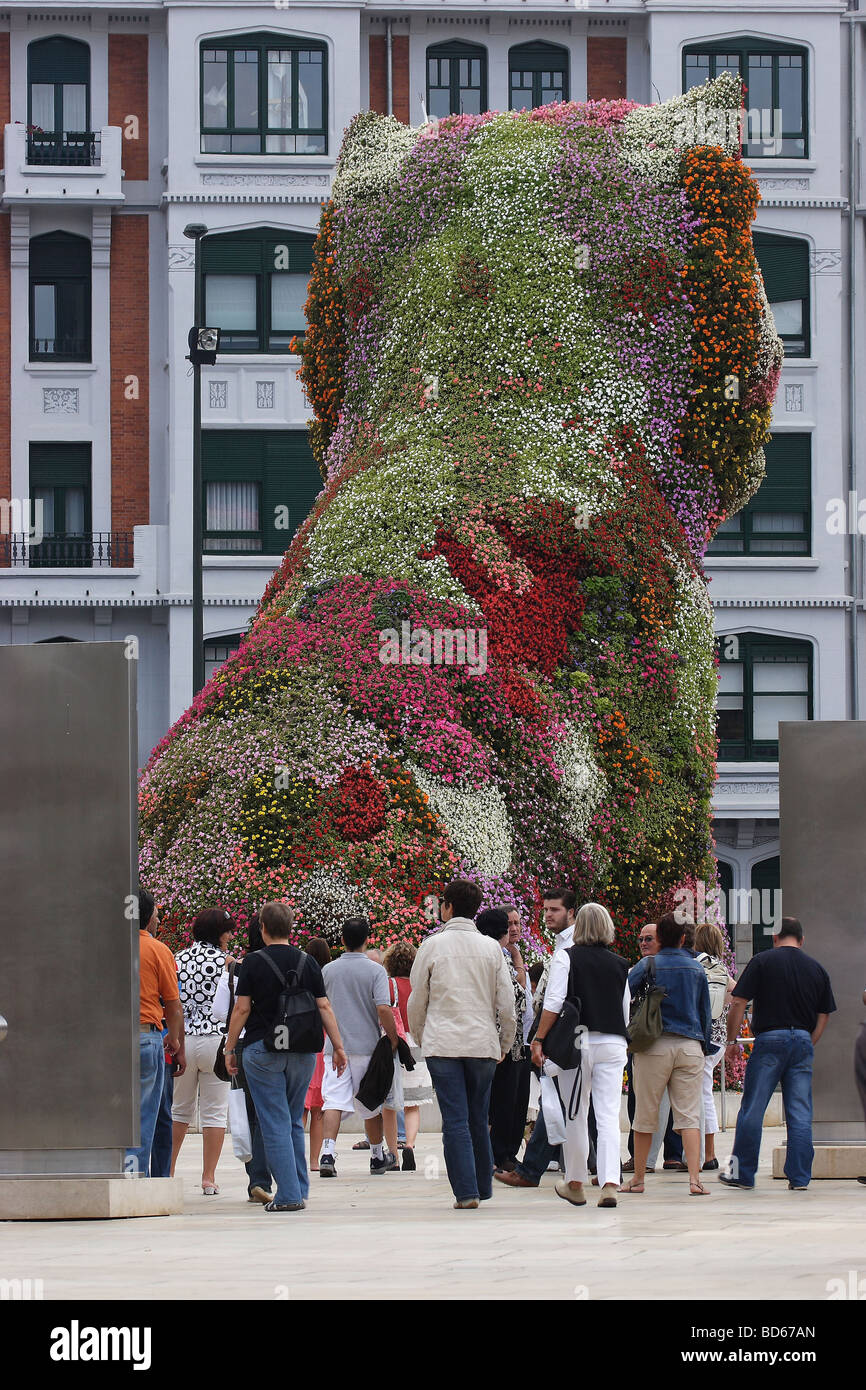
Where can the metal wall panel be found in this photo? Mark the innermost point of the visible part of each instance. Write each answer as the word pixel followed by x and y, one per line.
pixel 68 952
pixel 822 814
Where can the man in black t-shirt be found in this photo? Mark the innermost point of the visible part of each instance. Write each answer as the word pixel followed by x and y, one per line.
pixel 278 1081
pixel 791 1002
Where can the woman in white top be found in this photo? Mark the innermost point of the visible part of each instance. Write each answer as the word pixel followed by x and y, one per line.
pixel 199 969
pixel 710 948
pixel 589 972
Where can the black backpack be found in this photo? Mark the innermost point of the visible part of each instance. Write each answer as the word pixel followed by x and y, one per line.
pixel 297 1025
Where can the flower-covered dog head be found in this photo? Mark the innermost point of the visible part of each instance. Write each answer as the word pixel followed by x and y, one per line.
pixel 542 366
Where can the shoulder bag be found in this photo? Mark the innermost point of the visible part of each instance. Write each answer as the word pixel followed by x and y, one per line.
pixel 645 1023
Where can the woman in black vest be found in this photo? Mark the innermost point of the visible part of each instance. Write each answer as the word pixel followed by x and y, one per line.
pixel 590 972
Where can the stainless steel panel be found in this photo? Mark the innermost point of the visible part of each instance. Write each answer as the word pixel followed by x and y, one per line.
pixel 69 957
pixel 822 812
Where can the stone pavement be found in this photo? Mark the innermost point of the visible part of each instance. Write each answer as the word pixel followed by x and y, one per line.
pixel 398 1236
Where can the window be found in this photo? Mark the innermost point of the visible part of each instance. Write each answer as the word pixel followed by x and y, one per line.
pixel 766 902
pixel 778 520
pixel 537 75
pixel 264 94
pixel 784 263
pixel 456 79
pixel 775 76
pixel 60 297
pixel 255 286
pixel 762 680
pixel 259 485
pixel 58 102
pixel 60 481
pixel 219 649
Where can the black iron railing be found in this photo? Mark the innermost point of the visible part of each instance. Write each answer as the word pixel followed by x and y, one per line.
pixel 93 550
pixel 69 147
pixel 70 349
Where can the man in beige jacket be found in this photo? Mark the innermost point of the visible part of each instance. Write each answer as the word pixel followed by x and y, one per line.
pixel 461 1011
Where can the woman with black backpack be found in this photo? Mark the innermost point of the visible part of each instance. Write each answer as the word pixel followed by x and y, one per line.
pixel 588 992
pixel 282 1006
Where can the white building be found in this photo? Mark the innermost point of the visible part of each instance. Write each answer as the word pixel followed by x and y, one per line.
pixel 125 125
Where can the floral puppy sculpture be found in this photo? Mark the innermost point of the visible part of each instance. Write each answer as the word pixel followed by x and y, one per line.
pixel 542 366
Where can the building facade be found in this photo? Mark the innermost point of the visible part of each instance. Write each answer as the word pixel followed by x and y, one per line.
pixel 124 128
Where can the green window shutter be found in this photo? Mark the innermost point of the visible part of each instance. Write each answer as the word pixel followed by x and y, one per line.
pixel 784 263
pixel 231 255
pixel 538 57
pixel 58 60
pixel 59 465
pixel 787 485
pixel 292 482
pixel 59 254
pixel 231 456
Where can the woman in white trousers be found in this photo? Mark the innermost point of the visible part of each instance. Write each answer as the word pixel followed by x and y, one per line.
pixel 590 972
pixel 710 946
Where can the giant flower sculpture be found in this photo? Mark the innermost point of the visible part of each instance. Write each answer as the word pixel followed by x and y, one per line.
pixel 542 366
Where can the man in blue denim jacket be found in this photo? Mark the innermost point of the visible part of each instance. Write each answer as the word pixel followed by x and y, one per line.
pixel 676 1059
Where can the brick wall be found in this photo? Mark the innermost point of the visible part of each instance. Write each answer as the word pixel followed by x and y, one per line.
pixel 605 67
pixel 5 290
pixel 399 75
pixel 130 357
pixel 127 96
pixel 378 74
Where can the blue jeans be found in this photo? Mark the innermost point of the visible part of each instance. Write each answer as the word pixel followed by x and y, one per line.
pixel 538 1154
pixel 257 1170
pixel 151 1070
pixel 160 1153
pixel 462 1086
pixel 278 1083
pixel 780 1055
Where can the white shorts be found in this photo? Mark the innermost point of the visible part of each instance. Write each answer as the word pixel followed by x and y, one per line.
pixel 338 1092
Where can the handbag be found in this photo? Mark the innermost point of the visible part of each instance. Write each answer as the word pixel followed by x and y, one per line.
pixel 220 1070
pixel 239 1123
pixel 645 1023
pixel 563 1041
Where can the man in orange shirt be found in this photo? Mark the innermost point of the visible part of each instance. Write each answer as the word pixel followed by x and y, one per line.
pixel 159 999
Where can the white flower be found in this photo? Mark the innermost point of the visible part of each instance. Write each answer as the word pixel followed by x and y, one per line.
pixel 476 821
pixel 584 785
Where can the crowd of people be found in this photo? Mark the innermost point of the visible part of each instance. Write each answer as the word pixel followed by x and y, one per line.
pixel 518 1058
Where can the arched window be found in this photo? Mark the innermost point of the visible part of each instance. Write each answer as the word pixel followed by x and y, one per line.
pixel 762 680
pixel 537 74
pixel 264 94
pixel 775 76
pixel 784 262
pixel 255 286
pixel 766 906
pixel 456 79
pixel 58 102
pixel 60 297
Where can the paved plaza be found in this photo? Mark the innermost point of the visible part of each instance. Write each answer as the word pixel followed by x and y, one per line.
pixel 397 1236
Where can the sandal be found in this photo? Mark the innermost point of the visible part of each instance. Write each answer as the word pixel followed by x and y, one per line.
pixel 209 1190
pixel 632 1187
pixel 697 1189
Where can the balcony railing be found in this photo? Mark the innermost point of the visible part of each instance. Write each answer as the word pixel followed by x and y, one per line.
pixel 93 550
pixel 60 349
pixel 80 148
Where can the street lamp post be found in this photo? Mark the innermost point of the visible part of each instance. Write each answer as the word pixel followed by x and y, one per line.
pixel 203 344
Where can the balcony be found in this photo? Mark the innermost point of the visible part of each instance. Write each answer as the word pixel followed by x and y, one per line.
pixel 92 550
pixel 62 167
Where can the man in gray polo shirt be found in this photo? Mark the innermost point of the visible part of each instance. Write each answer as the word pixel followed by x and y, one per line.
pixel 360 997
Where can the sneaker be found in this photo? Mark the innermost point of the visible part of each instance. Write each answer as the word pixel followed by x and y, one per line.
pixel 393 1162
pixel 327 1166
pixel 285 1206
pixel 468 1204
pixel 795 1187
pixel 710 1166
pixel 259 1194
pixel 408 1160
pixel 381 1165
